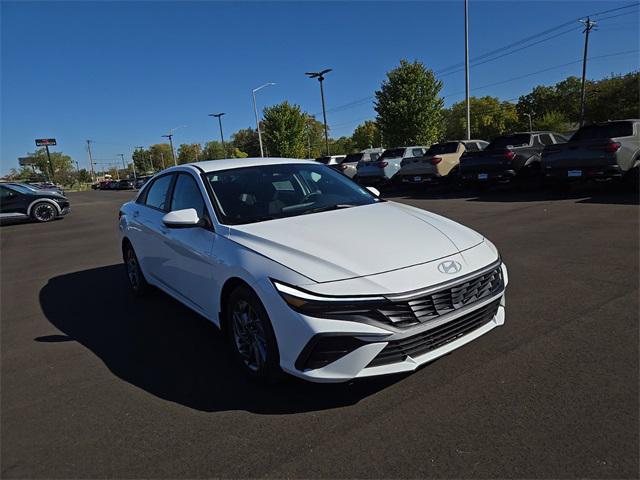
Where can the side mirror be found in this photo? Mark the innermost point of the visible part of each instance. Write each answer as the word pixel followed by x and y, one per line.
pixel 375 191
pixel 182 218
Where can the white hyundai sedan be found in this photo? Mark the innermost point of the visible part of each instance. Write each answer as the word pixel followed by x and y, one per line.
pixel 308 273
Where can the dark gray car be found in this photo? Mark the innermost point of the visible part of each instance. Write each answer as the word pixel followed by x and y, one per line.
pixel 599 152
pixel 508 157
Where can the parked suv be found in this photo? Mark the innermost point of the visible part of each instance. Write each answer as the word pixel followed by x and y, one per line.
pixel 349 165
pixel 440 161
pixel 508 157
pixel 21 201
pixel 331 159
pixel 602 151
pixel 382 171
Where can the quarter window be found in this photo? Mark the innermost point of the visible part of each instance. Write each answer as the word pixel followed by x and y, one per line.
pixel 546 139
pixel 158 192
pixel 186 194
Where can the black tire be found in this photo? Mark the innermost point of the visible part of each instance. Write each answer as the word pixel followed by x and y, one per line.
pixel 137 282
pixel 44 212
pixel 632 179
pixel 251 337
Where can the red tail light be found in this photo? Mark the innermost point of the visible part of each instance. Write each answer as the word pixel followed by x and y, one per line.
pixel 509 155
pixel 435 160
pixel 612 147
pixel 382 164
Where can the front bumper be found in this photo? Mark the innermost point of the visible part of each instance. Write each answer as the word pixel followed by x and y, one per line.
pixel 372 348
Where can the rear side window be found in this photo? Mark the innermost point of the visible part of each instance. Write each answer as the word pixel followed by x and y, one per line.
pixel 546 139
pixel 471 147
pixel 186 194
pixel 417 152
pixel 442 148
pixel 601 132
pixel 353 157
pixel 560 138
pixel 517 140
pixel 157 193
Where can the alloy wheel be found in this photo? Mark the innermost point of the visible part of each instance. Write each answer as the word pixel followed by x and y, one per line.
pixel 44 212
pixel 132 269
pixel 249 336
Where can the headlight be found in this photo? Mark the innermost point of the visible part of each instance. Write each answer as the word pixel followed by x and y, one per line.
pixel 328 306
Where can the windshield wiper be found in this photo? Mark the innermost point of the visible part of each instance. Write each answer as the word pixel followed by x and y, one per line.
pixel 336 206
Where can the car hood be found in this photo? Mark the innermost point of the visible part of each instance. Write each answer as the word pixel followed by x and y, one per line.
pixel 357 241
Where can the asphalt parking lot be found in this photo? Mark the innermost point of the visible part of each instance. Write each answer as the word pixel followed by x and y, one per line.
pixel 97 384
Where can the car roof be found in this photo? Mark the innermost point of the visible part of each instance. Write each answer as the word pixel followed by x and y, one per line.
pixel 225 164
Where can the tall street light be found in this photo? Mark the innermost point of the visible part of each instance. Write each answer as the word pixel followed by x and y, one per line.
pixel 466 67
pixel 320 77
pixel 170 137
pixel 255 110
pixel 530 123
pixel 219 115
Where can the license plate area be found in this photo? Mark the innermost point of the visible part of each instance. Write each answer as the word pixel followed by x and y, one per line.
pixel 574 173
pixel 417 178
pixel 483 176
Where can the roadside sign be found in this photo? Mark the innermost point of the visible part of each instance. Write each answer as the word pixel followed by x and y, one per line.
pixel 44 142
pixel 22 161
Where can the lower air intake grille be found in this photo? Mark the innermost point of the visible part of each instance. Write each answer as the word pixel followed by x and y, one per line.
pixel 421 343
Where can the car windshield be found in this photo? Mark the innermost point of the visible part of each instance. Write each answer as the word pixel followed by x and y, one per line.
pixel 266 192
pixel 392 153
pixel 442 148
pixel 517 140
pixel 600 132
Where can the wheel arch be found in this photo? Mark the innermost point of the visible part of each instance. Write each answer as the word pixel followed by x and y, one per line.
pixel 229 286
pixel 43 200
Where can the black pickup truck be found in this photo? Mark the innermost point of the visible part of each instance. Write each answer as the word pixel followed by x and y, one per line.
pixel 507 158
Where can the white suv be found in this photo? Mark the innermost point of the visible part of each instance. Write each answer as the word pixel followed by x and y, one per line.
pixel 250 245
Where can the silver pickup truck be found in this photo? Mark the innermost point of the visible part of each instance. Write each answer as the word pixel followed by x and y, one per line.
pixel 596 152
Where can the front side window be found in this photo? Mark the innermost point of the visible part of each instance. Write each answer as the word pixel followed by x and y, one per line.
pixel 186 194
pixel 158 192
pixel 443 148
pixel 392 153
pixel 471 147
pixel 604 131
pixel 266 192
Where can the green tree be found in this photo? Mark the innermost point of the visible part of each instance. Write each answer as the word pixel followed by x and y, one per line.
pixel 160 155
pixel 189 152
pixel 613 98
pixel 214 150
pixel 341 146
pixel 284 130
pixel 246 140
pixel 409 107
pixel 489 117
pixel 553 121
pixel 314 138
pixel 62 165
pixel 366 135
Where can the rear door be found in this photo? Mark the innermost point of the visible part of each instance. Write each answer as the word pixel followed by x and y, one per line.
pixel 188 268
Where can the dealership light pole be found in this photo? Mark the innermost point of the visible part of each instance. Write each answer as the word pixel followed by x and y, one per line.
pixel 588 26
pixel 320 77
pixel 219 116
pixel 255 110
pixel 170 137
pixel 466 66
pixel 530 124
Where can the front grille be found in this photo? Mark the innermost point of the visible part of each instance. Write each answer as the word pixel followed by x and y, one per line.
pixel 407 313
pixel 421 343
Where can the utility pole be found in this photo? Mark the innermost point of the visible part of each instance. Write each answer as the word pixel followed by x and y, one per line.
pixel 173 154
pixel 93 173
pixel 320 77
pixel 466 66
pixel 588 26
pixel 133 166
pixel 162 159
pixel 124 167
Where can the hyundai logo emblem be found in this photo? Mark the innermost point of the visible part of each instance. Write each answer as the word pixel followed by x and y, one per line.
pixel 449 266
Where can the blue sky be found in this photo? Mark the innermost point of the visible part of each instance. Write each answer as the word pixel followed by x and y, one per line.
pixel 124 73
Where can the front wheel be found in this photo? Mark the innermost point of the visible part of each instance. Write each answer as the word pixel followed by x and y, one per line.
pixel 44 212
pixel 137 282
pixel 251 336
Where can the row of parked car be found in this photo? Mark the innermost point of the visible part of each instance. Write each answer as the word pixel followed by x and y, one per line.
pixel 126 184
pixel 595 152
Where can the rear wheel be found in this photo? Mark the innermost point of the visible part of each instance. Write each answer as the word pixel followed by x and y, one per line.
pixel 44 212
pixel 137 283
pixel 251 336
